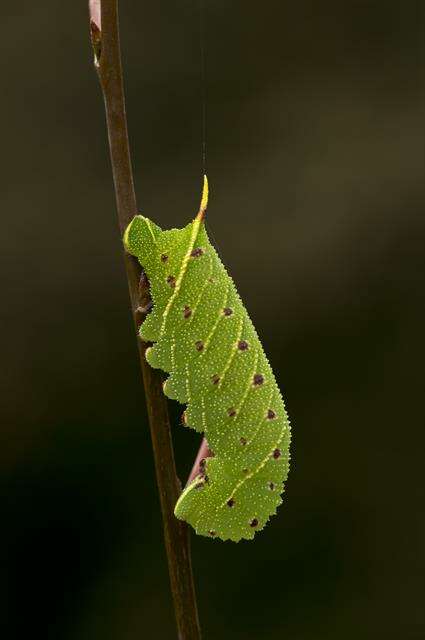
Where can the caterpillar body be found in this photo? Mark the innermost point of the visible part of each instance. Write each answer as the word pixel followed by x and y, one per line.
pixel 204 339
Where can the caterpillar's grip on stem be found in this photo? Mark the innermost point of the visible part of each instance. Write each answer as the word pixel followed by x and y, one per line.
pixel 204 339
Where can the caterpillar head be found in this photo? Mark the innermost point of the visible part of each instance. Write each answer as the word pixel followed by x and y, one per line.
pixel 146 240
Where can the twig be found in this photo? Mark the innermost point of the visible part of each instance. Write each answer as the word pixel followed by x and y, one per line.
pixel 106 46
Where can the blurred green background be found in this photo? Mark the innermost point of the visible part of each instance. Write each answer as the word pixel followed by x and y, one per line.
pixel 315 159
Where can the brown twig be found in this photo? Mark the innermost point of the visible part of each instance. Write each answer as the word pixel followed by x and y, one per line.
pixel 106 47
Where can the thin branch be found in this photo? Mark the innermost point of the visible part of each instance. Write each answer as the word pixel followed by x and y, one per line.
pixel 106 47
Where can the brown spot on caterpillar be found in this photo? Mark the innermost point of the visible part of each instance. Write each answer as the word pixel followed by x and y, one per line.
pixel 253 523
pixel 171 281
pixel 202 463
pixel 271 414
pixel 196 253
pixel 230 503
pixel 215 379
pixel 245 470
pixel 206 479
pixel 276 454
pixel 243 345
pixel 231 412
pixel 243 441
pixel 199 345
pixel 187 312
pixel 199 485
pixel 164 257
pixel 258 380
pixel 271 486
pixel 212 534
pixel 227 311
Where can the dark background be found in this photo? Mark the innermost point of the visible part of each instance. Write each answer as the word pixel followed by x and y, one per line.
pixel 315 159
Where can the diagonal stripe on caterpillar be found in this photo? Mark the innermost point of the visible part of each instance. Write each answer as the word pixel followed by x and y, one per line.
pixel 203 337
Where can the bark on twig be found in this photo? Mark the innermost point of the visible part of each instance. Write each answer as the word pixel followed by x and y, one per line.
pixel 106 47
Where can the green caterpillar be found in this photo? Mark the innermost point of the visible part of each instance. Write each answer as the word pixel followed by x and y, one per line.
pixel 205 340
